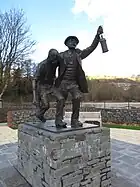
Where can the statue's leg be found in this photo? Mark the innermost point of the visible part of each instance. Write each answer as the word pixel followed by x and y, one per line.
pixel 39 109
pixel 61 97
pixel 40 113
pixel 44 103
pixel 76 98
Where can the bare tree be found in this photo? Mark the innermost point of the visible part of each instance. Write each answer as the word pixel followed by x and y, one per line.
pixel 28 68
pixel 15 44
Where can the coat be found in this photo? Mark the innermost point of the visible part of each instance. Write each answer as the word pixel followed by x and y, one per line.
pixel 45 73
pixel 80 55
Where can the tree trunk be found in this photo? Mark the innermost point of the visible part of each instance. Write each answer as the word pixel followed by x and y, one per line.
pixel 3 90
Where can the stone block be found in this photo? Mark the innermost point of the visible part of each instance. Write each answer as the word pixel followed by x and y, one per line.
pixel 69 157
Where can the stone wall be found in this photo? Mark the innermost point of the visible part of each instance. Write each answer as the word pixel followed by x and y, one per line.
pixel 118 116
pixel 64 158
pixel 121 116
pixel 15 117
pixel 3 115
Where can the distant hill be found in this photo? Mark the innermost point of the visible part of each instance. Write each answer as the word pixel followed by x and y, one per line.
pixel 117 79
pixel 124 83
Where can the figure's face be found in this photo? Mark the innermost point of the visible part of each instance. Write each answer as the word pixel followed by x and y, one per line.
pixel 53 54
pixel 71 43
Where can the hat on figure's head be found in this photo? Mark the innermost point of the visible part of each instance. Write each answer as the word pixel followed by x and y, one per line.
pixel 71 37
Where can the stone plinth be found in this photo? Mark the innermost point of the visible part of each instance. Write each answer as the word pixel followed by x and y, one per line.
pixel 65 158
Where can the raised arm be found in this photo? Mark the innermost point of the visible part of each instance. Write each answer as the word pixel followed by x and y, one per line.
pixel 86 52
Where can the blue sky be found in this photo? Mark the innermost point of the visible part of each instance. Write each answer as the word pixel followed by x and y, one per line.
pixel 53 20
pixel 50 18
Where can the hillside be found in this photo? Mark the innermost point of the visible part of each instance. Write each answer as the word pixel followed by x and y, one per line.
pixel 117 79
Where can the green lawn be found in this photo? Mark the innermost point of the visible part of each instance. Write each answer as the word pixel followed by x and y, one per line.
pixel 132 127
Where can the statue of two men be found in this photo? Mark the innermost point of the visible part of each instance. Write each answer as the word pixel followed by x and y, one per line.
pixel 71 79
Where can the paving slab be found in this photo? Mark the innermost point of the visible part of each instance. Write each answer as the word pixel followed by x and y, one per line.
pixel 10 177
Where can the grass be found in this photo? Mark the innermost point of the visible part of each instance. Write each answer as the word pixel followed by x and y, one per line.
pixel 122 126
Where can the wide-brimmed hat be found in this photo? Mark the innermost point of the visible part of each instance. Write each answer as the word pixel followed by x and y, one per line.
pixel 71 37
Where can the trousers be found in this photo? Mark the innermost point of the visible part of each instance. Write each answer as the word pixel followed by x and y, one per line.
pixel 65 88
pixel 43 98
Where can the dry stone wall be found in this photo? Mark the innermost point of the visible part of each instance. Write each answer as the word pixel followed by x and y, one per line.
pixel 118 116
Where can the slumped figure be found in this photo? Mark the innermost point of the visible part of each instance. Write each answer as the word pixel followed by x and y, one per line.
pixel 43 84
pixel 71 78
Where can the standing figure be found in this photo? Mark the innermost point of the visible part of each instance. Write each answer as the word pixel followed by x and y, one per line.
pixel 71 78
pixel 43 83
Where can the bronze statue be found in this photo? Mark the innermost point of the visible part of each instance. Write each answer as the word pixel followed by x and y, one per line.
pixel 71 78
pixel 43 84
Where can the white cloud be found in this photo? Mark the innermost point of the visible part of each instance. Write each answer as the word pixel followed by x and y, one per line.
pixel 121 26
pixel 42 49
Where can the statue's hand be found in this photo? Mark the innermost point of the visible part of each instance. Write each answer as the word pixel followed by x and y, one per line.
pixel 100 30
pixel 34 102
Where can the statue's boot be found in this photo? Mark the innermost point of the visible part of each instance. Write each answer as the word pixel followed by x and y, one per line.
pixel 59 123
pixel 40 113
pixel 75 123
pixel 41 118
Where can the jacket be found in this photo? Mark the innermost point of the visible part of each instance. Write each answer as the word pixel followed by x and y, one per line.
pixel 80 55
pixel 45 73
